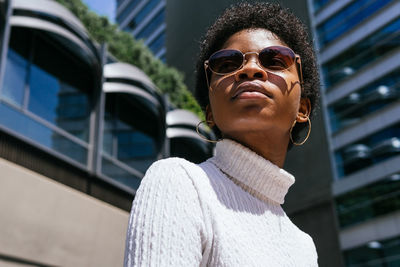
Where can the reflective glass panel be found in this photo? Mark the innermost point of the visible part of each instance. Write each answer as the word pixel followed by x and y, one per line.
pixel 14 87
pixel 366 100
pixel 318 4
pixel 154 23
pixel 158 43
pixel 347 18
pixel 370 49
pixel 112 170
pixel 30 128
pixel 369 151
pixel 376 253
pixel 60 89
pixel 15 78
pixel 370 201
pixel 46 93
pixel 141 15
pixel 130 134
pixel 128 10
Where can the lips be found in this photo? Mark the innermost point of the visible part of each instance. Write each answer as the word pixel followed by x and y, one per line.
pixel 250 89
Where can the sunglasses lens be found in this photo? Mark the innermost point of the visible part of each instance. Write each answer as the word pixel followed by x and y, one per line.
pixel 276 57
pixel 225 61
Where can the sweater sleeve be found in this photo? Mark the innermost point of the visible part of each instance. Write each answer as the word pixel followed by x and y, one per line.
pixel 166 223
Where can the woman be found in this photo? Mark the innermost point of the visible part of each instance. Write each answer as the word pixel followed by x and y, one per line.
pixel 257 81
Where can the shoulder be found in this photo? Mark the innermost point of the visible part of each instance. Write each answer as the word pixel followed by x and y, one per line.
pixel 171 172
pixel 172 162
pixel 171 166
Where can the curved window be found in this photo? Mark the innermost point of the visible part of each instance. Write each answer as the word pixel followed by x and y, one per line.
pixel 46 94
pixel 372 48
pixel 371 150
pixel 367 100
pixel 370 201
pixel 375 253
pixel 130 143
pixel 347 19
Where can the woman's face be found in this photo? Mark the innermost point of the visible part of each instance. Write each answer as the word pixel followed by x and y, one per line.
pixel 253 101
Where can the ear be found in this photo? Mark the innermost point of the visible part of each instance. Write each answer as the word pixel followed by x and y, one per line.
pixel 209 117
pixel 304 110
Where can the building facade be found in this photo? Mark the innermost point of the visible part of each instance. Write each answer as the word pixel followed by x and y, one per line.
pixel 78 129
pixel 359 53
pixel 145 20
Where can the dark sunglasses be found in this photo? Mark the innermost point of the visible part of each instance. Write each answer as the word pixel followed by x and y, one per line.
pixel 272 58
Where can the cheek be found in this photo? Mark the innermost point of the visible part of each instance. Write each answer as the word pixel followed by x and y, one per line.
pixel 221 83
pixel 293 104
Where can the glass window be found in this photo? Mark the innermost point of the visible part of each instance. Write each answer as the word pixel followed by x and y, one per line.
pixel 318 4
pixel 128 10
pixel 163 58
pixel 143 13
pixel 154 23
pixel 47 94
pixel 371 150
pixel 119 173
pixel 370 201
pixel 158 43
pixel 363 53
pixel 130 137
pixel 64 85
pixel 17 68
pixel 25 125
pixel 366 100
pixel 375 253
pixel 347 18
pixel 119 2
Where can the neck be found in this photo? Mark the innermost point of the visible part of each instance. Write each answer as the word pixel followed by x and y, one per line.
pixel 271 148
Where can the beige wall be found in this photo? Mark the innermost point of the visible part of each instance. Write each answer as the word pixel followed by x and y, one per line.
pixel 42 221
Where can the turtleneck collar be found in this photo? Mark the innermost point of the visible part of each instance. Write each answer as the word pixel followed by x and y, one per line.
pixel 253 173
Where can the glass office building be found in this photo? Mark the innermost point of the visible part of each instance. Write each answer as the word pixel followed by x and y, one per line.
pixel 144 19
pixel 358 45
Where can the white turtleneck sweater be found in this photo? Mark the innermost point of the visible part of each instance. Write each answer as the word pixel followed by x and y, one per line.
pixel 223 212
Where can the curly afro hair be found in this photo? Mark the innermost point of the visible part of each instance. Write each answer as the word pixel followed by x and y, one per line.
pixel 274 18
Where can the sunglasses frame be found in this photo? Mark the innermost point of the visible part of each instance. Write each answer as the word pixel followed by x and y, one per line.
pixel 296 60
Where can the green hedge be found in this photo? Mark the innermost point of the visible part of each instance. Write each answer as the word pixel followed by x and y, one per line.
pixel 126 49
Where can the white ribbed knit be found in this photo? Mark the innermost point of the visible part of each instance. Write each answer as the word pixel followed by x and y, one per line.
pixel 223 212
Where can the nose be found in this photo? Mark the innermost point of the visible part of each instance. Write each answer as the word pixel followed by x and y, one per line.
pixel 251 70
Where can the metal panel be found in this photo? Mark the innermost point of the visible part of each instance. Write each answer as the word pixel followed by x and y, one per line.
pixel 366 176
pixel 110 87
pixel 181 132
pixel 369 125
pixel 181 116
pixel 34 23
pixel 52 8
pixel 375 229
pixel 129 72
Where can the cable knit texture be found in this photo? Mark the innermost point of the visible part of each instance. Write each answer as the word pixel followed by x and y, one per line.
pixel 224 212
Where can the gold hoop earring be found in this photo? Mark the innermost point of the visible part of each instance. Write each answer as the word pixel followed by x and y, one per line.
pixel 308 133
pixel 202 136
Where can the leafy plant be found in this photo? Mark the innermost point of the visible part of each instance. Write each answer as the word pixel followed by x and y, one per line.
pixel 125 48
